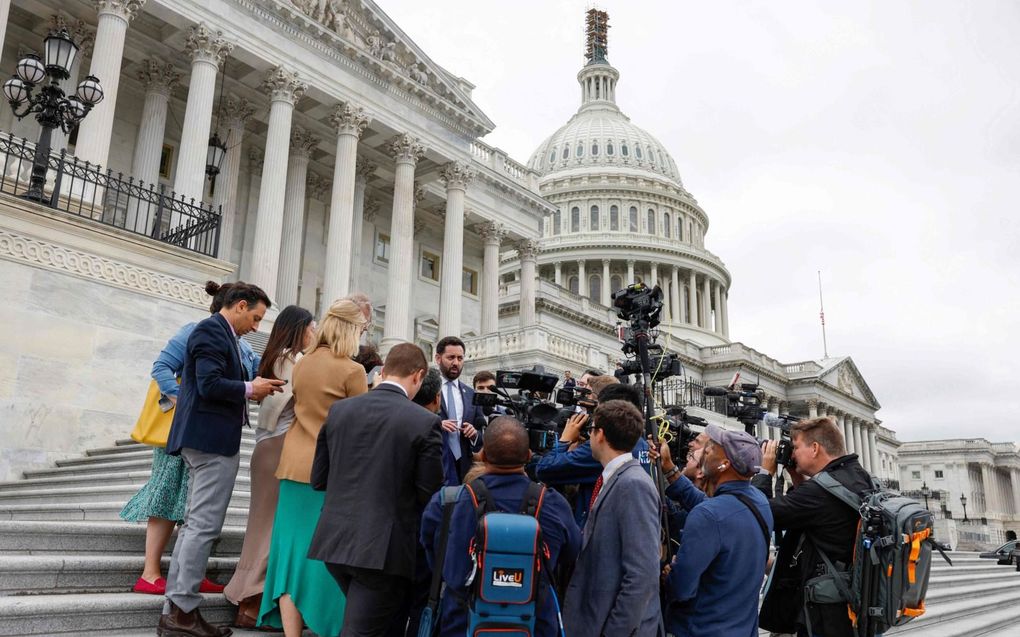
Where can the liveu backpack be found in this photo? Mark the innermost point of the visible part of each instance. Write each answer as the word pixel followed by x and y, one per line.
pixel 508 555
pixel 887 580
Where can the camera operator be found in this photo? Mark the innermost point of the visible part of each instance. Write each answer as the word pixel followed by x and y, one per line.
pixel 813 520
pixel 571 462
pixel 712 585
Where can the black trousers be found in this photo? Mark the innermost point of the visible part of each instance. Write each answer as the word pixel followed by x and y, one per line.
pixel 374 599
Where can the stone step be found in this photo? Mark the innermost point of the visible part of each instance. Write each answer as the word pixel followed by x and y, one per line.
pixel 141 452
pixel 951 609
pixel 133 632
pixel 84 495
pixel 30 574
pixel 94 511
pixel 121 477
pixel 128 446
pixel 94 468
pixel 971 569
pixel 94 613
pixel 63 537
pixel 976 588
pixel 1007 577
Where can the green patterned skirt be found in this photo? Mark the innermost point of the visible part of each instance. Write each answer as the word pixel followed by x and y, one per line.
pixel 165 495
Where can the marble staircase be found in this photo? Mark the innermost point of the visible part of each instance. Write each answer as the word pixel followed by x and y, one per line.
pixel 67 561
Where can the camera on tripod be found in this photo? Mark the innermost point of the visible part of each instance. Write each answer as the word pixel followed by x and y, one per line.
pixel 744 404
pixel 678 434
pixel 530 405
pixel 639 303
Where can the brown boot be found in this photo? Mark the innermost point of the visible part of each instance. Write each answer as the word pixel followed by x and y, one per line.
pixel 178 623
pixel 248 612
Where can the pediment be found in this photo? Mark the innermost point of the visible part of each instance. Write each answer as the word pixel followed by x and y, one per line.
pixel 845 377
pixel 374 39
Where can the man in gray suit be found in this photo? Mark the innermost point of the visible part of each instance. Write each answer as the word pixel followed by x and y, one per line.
pixel 615 587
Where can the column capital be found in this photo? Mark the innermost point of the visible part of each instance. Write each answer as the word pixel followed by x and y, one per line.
pixel 256 158
pixel 606 262
pixel 124 9
pixel 419 226
pixel 492 232
pixel 205 45
pixel 812 402
pixel 236 110
pixel 159 77
pixel 349 119
pixel 364 169
pixel 371 208
pixel 631 262
pixel 318 186
pixel 81 33
pixel 456 174
pixel 283 86
pixel 406 149
pixel 302 142
pixel 528 249
pixel 419 195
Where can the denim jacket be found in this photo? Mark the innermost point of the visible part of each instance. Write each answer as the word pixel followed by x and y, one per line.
pixel 168 365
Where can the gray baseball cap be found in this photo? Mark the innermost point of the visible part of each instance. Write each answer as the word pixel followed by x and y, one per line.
pixel 740 448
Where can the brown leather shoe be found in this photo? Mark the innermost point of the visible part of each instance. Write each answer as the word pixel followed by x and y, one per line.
pixel 178 623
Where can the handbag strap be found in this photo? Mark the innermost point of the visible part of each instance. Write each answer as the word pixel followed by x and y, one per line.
pixel 757 516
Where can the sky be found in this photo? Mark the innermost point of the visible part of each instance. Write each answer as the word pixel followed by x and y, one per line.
pixel 876 142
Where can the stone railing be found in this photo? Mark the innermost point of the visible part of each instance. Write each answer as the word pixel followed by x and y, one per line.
pixel 561 296
pixel 500 162
pixel 744 353
pixel 623 237
pixel 539 343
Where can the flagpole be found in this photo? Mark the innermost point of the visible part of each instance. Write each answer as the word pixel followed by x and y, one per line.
pixel 821 315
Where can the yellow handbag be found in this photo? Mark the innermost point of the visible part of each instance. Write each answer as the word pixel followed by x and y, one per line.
pixel 153 426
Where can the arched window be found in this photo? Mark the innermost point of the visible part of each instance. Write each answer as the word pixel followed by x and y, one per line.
pixel 616 282
pixel 633 219
pixel 609 148
pixel 594 148
pixel 651 155
pixel 651 221
pixel 575 219
pixel 593 219
pixel 566 152
pixel 557 220
pixel 666 225
pixel 552 156
pixel 637 152
pixel 580 149
pixel 624 150
pixel 679 228
pixel 572 284
pixel 614 218
pixel 595 288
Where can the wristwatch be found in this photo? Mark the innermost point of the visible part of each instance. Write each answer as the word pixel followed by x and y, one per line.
pixel 672 472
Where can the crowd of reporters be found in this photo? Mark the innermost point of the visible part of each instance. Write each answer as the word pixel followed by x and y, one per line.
pixel 346 531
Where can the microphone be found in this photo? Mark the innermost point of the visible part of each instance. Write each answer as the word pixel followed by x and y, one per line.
pixel 716 391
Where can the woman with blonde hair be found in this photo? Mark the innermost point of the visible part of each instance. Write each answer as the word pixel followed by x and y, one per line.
pixel 299 591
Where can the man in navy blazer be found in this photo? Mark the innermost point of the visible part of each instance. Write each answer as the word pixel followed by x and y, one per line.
pixel 462 420
pixel 211 409
pixel 615 587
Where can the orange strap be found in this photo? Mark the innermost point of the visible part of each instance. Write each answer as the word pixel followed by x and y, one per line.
pixel 914 612
pixel 915 552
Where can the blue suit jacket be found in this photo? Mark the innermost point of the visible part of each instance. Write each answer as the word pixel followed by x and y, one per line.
pixel 454 470
pixel 211 406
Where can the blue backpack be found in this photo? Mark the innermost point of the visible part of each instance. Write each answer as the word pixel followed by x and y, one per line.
pixel 508 555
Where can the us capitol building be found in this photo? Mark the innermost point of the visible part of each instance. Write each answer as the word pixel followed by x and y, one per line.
pixel 311 147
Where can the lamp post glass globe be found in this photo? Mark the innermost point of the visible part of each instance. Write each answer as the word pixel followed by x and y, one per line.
pixel 15 90
pixel 89 91
pixel 31 70
pixel 60 53
pixel 76 108
pixel 214 155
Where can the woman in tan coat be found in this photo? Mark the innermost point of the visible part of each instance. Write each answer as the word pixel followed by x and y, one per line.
pixel 299 591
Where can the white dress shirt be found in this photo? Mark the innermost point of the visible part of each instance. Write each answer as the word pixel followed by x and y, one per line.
pixel 613 466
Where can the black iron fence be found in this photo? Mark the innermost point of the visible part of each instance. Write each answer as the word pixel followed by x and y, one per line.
pixel 684 392
pixel 85 190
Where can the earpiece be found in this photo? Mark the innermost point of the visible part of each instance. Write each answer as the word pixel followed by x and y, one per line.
pixel 721 467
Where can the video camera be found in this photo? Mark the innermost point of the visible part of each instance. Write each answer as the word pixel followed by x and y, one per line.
pixel 638 302
pixel 530 404
pixel 745 405
pixel 678 434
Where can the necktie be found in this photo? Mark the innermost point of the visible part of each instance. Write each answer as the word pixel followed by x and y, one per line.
pixel 595 493
pixel 452 437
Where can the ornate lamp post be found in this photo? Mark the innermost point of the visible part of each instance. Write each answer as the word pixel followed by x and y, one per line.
pixel 925 491
pixel 53 109
pixel 963 501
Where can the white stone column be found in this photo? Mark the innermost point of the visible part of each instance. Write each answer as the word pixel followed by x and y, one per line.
pixel 232 118
pixel 582 278
pixel 630 272
pixel 653 274
pixel 5 11
pixel 350 121
pixel 692 298
pixel 558 273
pixel 363 172
pixel 865 443
pixel 159 80
pixel 856 427
pixel 284 90
pixel 255 163
pixel 706 304
pixel 812 406
pixel 96 130
pixel 718 308
pixel 406 151
pixel 292 238
pixel 528 250
pixel 456 176
pixel 988 481
pixel 725 313
pixel 207 49
pixel 848 430
pixel 1014 483
pixel 607 289
pixel 674 296
pixel 492 234
pixel 873 447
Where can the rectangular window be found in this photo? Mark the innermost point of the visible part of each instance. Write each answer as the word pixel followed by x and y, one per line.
pixel 166 161
pixel 429 266
pixel 469 283
pixel 938 473
pixel 382 248
pixel 916 475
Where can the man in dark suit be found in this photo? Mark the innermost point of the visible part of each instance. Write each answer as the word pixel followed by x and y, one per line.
pixel 211 409
pixel 461 418
pixel 615 588
pixel 378 458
